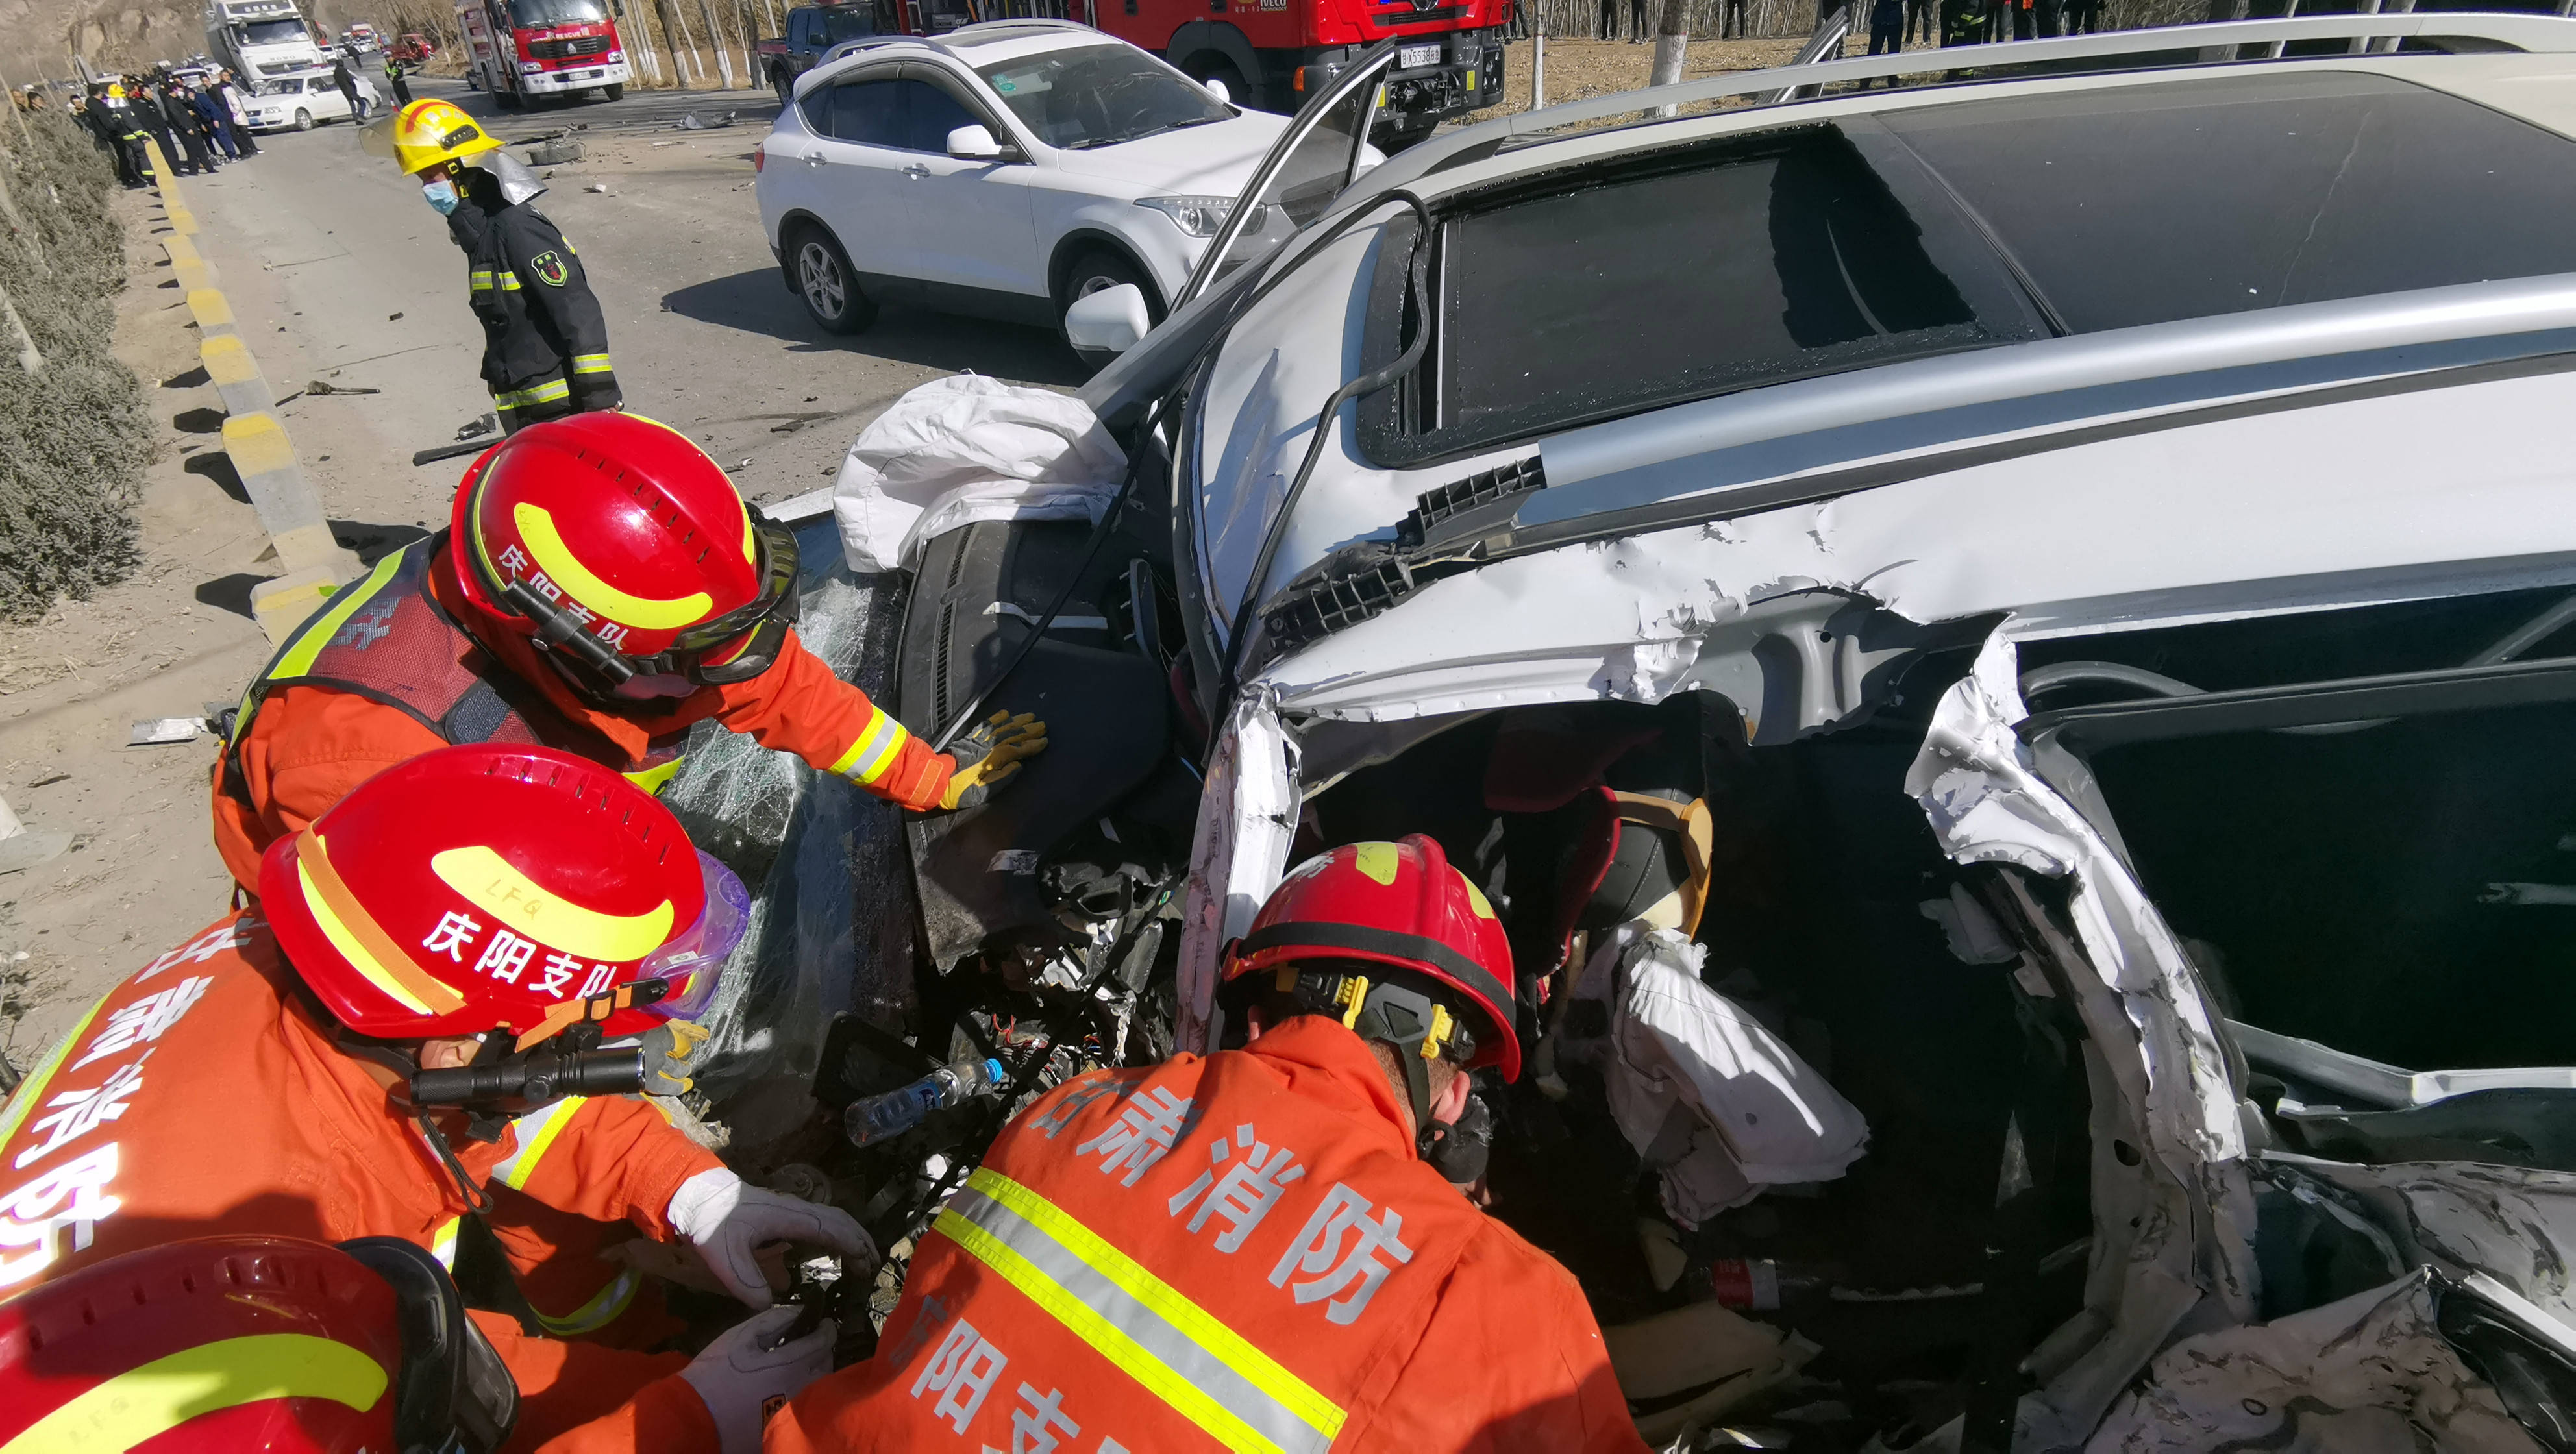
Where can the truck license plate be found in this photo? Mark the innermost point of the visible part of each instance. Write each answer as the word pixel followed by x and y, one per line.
pixel 1418 55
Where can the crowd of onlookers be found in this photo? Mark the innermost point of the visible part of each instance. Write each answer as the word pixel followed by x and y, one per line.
pixel 201 119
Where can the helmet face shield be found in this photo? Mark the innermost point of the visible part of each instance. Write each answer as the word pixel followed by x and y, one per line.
pixel 691 965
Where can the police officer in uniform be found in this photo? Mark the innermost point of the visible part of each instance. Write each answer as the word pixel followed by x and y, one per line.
pixel 545 342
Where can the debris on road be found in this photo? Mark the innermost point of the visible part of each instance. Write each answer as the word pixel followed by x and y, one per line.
pixel 317 387
pixel 483 425
pixel 393 318
pixel 595 187
pixel 554 153
pixel 162 731
pixel 445 451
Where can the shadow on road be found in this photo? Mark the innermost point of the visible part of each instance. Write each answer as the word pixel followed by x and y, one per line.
pixel 371 542
pixel 217 466
pixel 756 302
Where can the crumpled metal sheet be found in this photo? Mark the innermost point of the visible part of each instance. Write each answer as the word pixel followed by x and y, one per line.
pixel 832 917
pixel 2174 1231
pixel 2368 1375
pixel 1247 819
pixel 1987 806
pixel 2516 1224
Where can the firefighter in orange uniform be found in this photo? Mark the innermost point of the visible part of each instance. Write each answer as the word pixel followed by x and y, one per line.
pixel 1247 1249
pixel 600 588
pixel 482 917
pixel 222 1344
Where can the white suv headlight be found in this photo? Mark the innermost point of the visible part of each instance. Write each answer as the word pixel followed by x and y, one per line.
pixel 1197 216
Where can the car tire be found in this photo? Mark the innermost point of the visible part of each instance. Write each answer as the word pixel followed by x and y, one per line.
pixel 615 91
pixel 782 83
pixel 825 282
pixel 1226 74
pixel 509 100
pixel 303 119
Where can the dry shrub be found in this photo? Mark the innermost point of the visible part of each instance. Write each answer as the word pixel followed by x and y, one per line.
pixel 74 435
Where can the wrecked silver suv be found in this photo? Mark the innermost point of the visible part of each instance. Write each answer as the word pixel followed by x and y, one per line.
pixel 2099 538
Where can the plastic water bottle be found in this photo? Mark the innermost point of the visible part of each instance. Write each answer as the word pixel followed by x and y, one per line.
pixel 879 1117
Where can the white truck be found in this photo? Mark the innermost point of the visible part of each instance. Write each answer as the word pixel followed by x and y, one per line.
pixel 261 39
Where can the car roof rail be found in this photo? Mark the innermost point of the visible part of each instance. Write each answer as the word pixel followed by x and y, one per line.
pixel 992 30
pixel 2218 43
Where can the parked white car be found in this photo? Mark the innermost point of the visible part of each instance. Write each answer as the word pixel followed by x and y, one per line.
pixel 296 103
pixel 1003 170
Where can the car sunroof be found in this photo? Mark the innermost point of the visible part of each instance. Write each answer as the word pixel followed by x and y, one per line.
pixel 2191 199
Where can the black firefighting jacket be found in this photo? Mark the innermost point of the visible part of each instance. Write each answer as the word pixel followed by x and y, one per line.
pixel 544 338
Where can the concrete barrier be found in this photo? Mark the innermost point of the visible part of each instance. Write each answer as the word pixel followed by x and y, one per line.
pixel 236 376
pixel 311 563
pixel 213 312
pixel 189 265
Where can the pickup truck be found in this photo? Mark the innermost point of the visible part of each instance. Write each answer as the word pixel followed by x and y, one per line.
pixel 812 31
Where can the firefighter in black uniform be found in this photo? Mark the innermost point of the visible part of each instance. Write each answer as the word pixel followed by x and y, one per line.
pixel 545 343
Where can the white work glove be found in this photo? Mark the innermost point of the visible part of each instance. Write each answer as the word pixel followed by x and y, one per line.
pixel 740 1375
pixel 727 1219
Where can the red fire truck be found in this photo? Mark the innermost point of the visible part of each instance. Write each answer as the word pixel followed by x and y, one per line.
pixel 1266 53
pixel 530 50
pixel 1273 53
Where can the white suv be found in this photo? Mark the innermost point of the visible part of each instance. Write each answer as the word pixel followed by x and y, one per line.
pixel 1002 170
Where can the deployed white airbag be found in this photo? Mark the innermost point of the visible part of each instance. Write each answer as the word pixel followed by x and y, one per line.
pixel 1705 1092
pixel 968 448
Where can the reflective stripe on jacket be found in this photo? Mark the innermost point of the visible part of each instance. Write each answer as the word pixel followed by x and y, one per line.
pixel 539 317
pixel 399 664
pixel 1233 1252
pixel 201 1097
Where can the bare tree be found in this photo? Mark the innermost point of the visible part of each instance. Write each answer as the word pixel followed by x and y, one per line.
pixel 716 38
pixel 675 24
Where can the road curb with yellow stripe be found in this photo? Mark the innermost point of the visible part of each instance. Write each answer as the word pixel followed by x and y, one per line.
pixel 313 564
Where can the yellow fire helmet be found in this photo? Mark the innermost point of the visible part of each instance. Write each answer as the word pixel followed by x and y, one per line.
pixel 428 132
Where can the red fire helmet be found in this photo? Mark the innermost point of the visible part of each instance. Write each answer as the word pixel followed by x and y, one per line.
pixel 220 1344
pixel 494 885
pixel 1392 903
pixel 615 542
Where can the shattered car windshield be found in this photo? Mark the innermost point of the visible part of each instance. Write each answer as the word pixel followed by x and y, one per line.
pixel 1099 95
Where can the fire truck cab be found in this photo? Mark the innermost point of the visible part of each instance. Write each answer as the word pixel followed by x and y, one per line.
pixel 533 50
pixel 1273 54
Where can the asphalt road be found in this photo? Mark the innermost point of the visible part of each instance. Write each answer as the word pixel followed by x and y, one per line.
pixel 333 244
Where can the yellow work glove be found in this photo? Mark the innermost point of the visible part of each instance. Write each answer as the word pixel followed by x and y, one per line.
pixel 668 1048
pixel 989 755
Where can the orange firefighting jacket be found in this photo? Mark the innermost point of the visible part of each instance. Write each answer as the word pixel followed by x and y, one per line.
pixel 202 1096
pixel 1237 1251
pixel 390 670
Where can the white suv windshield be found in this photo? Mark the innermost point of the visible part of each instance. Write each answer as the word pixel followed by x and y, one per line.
pixel 1099 95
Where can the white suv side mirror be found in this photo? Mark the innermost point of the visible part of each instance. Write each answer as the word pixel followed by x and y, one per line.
pixel 1109 321
pixel 974 144
pixel 1217 89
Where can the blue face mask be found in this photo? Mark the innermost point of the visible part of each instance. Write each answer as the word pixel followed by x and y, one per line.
pixel 441 195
